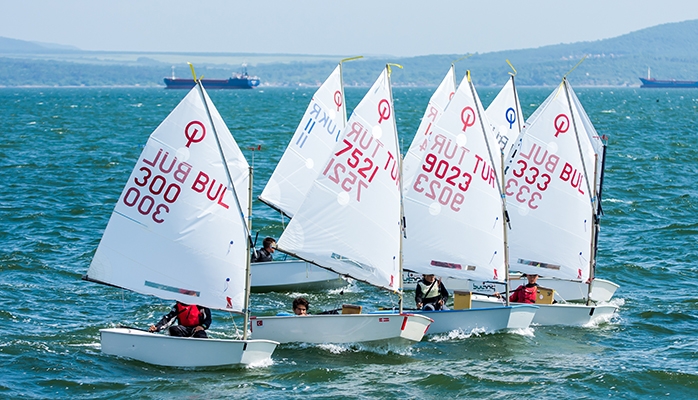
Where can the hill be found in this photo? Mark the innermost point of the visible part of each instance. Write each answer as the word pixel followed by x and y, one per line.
pixel 668 49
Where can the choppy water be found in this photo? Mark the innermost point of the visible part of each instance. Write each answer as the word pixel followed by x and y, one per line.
pixel 65 155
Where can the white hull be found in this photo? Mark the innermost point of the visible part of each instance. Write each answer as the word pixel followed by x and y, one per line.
pixel 172 351
pixel 339 328
pixel 601 289
pixel 487 319
pixel 562 314
pixel 293 275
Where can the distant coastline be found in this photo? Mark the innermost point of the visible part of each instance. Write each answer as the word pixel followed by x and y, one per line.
pixel 615 62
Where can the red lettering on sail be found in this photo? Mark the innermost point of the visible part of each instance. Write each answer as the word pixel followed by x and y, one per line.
pixel 359 160
pixel 201 184
pixel 574 177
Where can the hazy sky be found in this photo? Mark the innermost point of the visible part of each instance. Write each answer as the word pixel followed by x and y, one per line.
pixel 330 27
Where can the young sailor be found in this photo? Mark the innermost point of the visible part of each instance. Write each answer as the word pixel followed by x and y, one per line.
pixel 431 294
pixel 526 293
pixel 193 321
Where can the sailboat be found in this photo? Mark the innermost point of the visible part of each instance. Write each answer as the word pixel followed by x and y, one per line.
pixel 504 115
pixel 509 122
pixel 310 147
pixel 455 213
pixel 552 185
pixel 351 223
pixel 179 232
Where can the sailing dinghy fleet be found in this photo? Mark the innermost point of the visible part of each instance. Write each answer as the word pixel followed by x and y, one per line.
pixel 479 192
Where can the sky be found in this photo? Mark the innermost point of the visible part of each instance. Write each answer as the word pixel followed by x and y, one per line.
pixel 400 28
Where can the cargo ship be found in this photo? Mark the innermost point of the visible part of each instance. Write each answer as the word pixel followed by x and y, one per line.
pixel 237 81
pixel 650 82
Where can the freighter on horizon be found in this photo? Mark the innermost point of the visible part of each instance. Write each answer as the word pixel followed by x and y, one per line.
pixel 672 83
pixel 238 81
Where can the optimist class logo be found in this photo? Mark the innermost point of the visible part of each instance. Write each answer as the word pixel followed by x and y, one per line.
pixel 383 110
pixel 192 130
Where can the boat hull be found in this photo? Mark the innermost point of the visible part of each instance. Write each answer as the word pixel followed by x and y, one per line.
pixel 340 328
pixel 293 275
pixel 656 83
pixel 230 83
pixel 563 314
pixel 488 319
pixel 574 291
pixel 173 351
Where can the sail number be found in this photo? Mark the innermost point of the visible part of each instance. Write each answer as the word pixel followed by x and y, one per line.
pixel 446 181
pixel 343 173
pixel 533 174
pixel 449 177
pixel 354 166
pixel 151 185
pixel 151 192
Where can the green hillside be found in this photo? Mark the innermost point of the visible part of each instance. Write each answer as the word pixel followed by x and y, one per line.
pixel 667 49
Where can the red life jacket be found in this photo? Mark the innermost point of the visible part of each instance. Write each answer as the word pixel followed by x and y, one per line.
pixel 188 315
pixel 524 294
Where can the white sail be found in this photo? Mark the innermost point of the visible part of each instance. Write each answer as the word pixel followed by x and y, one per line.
pixel 350 220
pixel 453 206
pixel 435 108
pixel 310 147
pixel 505 115
pixel 176 231
pixel 596 141
pixel 550 191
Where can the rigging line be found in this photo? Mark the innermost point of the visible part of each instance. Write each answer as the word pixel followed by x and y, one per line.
pixel 220 150
pixel 350 59
pixel 390 71
pixel 462 58
pixel 575 67
pixel 512 67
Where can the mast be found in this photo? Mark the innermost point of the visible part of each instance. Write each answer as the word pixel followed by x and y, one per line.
pixel 598 212
pixel 507 221
pixel 584 167
pixel 398 156
pixel 594 235
pixel 505 216
pixel 237 201
pixel 248 269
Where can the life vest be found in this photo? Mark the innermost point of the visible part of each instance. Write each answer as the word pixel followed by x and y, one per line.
pixel 430 293
pixel 524 294
pixel 188 315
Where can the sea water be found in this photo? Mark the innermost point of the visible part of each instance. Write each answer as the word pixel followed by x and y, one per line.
pixel 66 154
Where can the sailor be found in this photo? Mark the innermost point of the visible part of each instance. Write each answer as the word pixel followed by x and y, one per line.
pixel 525 293
pixel 265 253
pixel 300 306
pixel 431 294
pixel 193 321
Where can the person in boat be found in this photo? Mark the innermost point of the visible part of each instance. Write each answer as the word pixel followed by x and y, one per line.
pixel 525 293
pixel 265 253
pixel 193 321
pixel 431 294
pixel 300 306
